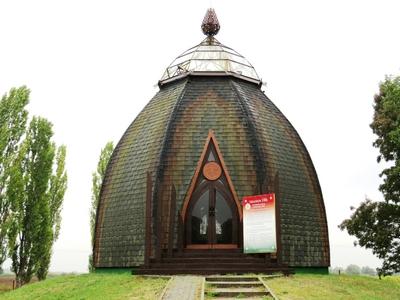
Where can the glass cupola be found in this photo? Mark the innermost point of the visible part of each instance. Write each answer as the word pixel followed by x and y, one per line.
pixel 210 57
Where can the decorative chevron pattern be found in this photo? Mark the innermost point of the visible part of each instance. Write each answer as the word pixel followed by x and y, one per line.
pixel 167 138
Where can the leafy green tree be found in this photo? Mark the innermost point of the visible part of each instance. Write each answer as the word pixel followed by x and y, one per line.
pixel 376 224
pixel 13 118
pixel 97 181
pixel 386 125
pixel 36 195
pixel 55 197
pixel 28 193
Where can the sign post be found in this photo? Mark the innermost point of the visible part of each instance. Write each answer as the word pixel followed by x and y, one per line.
pixel 259 226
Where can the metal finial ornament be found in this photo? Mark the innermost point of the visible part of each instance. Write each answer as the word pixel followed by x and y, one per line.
pixel 210 25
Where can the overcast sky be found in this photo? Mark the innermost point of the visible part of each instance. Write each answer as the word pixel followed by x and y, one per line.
pixel 93 65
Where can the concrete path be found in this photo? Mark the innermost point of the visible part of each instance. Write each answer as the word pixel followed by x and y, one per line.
pixel 184 288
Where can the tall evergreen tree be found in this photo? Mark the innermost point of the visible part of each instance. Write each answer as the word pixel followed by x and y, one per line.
pixel 97 181
pixel 36 196
pixel 376 225
pixel 13 118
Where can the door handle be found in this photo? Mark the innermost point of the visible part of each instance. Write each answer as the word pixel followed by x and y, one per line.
pixel 211 211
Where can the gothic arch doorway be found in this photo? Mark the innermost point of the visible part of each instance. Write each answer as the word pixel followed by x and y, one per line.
pixel 211 211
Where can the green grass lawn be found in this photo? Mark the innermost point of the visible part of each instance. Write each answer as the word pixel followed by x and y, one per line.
pixel 4 288
pixel 335 287
pixel 125 286
pixel 91 286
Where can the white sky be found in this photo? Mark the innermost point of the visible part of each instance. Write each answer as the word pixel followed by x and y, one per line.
pixel 93 65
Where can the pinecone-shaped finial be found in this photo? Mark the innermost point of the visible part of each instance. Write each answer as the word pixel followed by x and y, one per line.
pixel 210 25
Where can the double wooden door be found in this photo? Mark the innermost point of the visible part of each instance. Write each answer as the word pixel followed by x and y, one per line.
pixel 212 219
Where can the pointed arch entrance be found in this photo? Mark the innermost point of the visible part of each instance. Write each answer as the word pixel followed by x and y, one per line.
pixel 211 210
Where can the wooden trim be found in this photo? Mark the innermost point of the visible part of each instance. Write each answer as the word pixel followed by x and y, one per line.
pixel 212 246
pixel 159 223
pixel 228 177
pixel 225 246
pixel 278 218
pixel 147 251
pixel 172 210
pixel 240 234
pixel 210 138
pixel 181 233
pixel 195 177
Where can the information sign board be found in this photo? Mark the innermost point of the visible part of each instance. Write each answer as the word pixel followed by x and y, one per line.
pixel 259 225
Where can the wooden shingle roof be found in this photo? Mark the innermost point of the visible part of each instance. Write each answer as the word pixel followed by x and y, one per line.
pixel 167 139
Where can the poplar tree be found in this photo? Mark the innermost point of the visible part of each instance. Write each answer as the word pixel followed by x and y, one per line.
pixel 55 197
pixel 13 118
pixel 97 181
pixel 27 193
pixel 35 195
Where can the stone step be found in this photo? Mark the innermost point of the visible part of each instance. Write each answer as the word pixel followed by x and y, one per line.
pixel 237 292
pixel 210 265
pixel 210 254
pixel 247 298
pixel 215 250
pixel 228 284
pixel 209 259
pixel 209 271
pixel 232 279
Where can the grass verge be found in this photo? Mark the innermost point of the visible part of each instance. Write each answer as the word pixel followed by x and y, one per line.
pixel 327 287
pixel 91 286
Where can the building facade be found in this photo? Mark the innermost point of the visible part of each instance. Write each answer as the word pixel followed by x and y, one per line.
pixel 209 137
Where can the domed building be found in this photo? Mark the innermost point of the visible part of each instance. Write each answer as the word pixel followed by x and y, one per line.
pixel 171 196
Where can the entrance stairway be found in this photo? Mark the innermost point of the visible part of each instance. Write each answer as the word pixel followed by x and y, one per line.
pixel 232 287
pixel 213 261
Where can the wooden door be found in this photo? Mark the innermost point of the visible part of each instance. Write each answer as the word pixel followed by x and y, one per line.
pixel 211 210
pixel 212 218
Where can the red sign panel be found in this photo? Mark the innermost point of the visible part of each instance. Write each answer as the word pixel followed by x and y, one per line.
pixel 259 201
